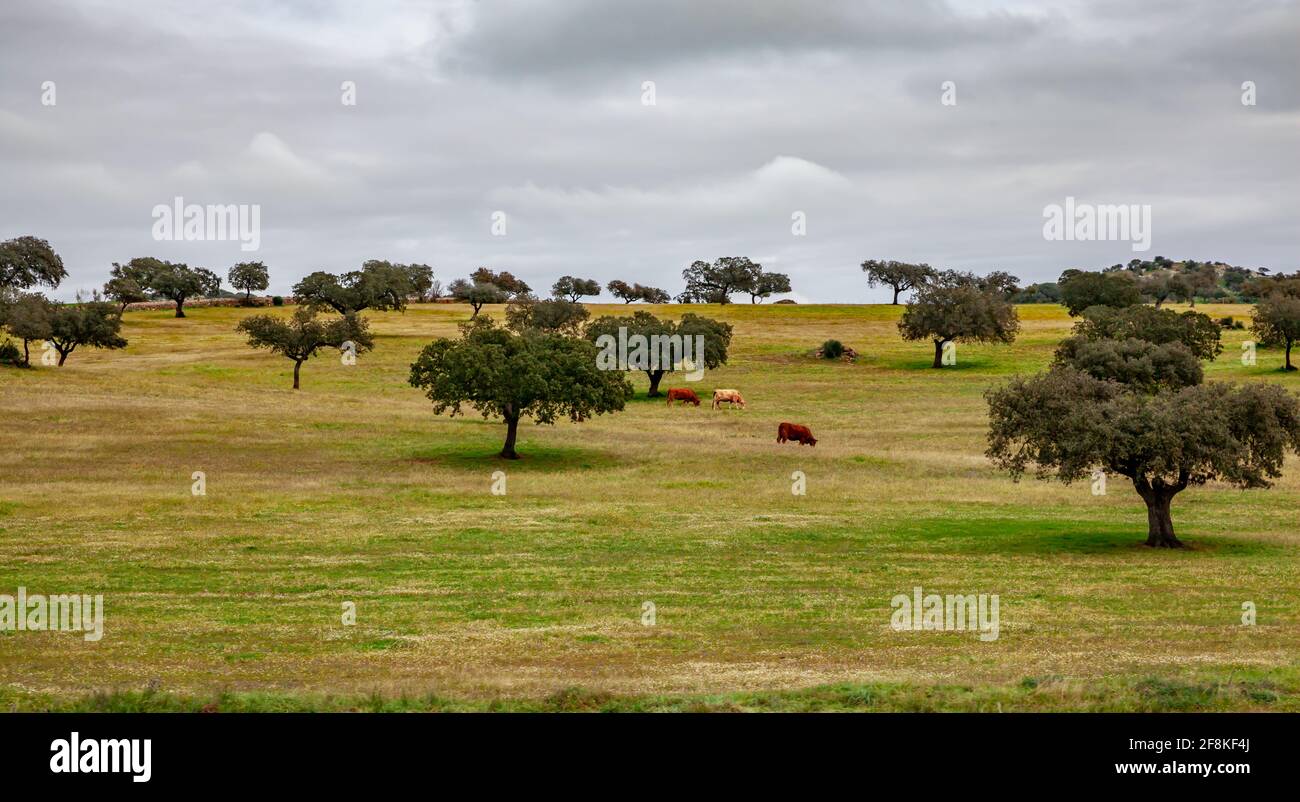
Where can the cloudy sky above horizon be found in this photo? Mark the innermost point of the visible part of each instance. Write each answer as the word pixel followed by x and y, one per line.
pixel 762 109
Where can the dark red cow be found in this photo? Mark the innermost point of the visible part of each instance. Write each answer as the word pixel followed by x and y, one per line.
pixel 793 431
pixel 683 394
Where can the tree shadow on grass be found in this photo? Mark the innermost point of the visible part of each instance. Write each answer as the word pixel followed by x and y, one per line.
pixel 1020 536
pixel 481 453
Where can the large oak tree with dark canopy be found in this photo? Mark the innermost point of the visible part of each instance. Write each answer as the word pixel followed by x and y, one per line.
pixel 249 276
pixel 511 376
pixel 1196 331
pixel 954 306
pixel 1065 423
pixel 420 279
pixel 26 262
pixel 124 290
pixel 1137 408
pixel 175 281
pixel 1083 289
pixel 716 282
pixel 506 280
pixel 378 285
pixel 550 315
pixel 717 339
pixel 27 317
pixel 573 289
pixel 94 324
pixel 900 276
pixel 767 284
pixel 303 335
pixel 129 283
pixel 1277 320
pixel 627 293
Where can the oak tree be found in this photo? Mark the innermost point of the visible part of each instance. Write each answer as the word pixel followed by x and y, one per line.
pixel 901 276
pixel 303 335
pixel 572 289
pixel 959 307
pixel 511 376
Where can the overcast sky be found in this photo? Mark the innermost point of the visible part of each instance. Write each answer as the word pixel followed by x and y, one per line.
pixel 762 109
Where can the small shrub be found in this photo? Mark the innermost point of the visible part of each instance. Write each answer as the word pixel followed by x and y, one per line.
pixel 1229 323
pixel 277 301
pixel 9 353
pixel 832 349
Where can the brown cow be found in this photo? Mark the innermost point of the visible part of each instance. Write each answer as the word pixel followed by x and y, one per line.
pixel 729 397
pixel 683 394
pixel 793 431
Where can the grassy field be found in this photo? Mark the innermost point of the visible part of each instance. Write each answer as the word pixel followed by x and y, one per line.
pixel 351 490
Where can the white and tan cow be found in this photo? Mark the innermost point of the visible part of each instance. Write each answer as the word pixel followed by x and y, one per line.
pixel 732 397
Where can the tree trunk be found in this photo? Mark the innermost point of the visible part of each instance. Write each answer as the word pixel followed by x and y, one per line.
pixel 938 353
pixel 512 429
pixel 896 291
pixel 27 357
pixel 1289 366
pixel 1160 523
pixel 476 308
pixel 63 356
pixel 180 308
pixel 296 367
pixel 655 377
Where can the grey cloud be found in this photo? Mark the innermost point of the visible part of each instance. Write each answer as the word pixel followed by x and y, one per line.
pixel 763 109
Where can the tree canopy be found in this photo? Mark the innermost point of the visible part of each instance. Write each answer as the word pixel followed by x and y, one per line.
pixel 505 280
pixel 553 315
pixel 420 278
pixel 959 307
pixel 1198 332
pixel 1081 290
pixel 1277 322
pixel 1139 364
pixel 1064 423
pixel 573 289
pixel 301 336
pixel 94 324
pixel 124 290
pixel 767 284
pixel 617 332
pixel 26 262
pixel 477 294
pixel 1125 395
pixel 901 276
pixel 249 276
pixel 27 317
pixel 717 282
pixel 175 281
pixel 378 285
pixel 628 293
pixel 504 374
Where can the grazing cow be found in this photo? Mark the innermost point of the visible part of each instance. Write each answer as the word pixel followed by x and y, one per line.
pixel 793 431
pixel 683 394
pixel 727 396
